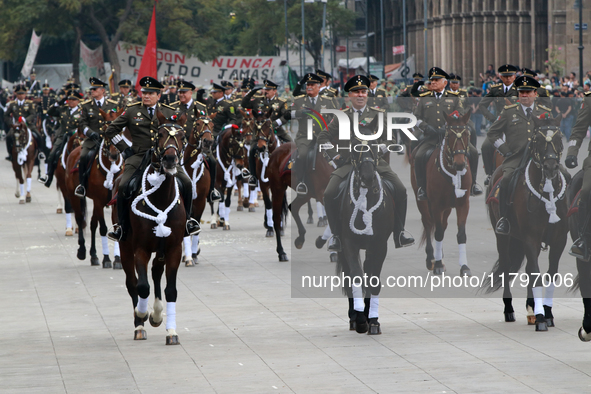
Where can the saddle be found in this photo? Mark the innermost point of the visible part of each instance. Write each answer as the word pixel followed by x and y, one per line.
pixel 344 188
pixel 288 163
pixel 135 181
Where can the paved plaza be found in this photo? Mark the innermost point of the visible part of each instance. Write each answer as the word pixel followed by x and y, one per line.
pixel 67 327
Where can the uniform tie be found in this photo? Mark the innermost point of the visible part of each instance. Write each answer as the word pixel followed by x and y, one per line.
pixel 151 111
pixel 528 112
pixel 98 104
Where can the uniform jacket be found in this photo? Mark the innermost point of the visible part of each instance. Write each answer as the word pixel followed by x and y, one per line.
pixel 579 130
pixel 67 120
pixel 91 117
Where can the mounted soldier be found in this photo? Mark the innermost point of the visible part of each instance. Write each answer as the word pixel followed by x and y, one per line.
pixel 21 107
pixel 220 107
pixel 405 98
pixel 123 97
pixel 454 85
pixel 377 97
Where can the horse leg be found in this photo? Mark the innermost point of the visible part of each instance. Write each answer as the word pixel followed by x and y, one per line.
pixel 239 189
pixel 29 181
pixel 170 292
pixel 104 240
pixel 117 260
pixel 440 226
pixel 195 248
pixel 278 206
pixel 60 204
pixel 214 216
pixel 321 214
pixel 68 208
pixel 504 248
pixel 80 216
pixel 351 256
pixel 188 251
pixel 130 278
pixel 268 220
pixel 93 225
pixel 534 284
pixel 140 261
pixel 156 317
pixel 252 200
pixel 584 273
pixel 310 213
pixel 556 249
pixel 294 207
pixel 462 214
pixel 374 260
pixel 227 210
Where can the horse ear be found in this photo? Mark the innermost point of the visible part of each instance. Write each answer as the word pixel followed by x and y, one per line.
pixel 466 117
pixel 119 112
pixel 161 117
pixel 556 121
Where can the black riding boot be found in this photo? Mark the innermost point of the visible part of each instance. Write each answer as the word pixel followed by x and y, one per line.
pixel 41 144
pixel 9 144
pixel 488 151
pixel 48 178
pixel 580 248
pixel 503 226
pixel 120 229
pixel 332 209
pixel 83 167
pixel 300 172
pixel 252 165
pixel 401 237
pixel 192 227
pixel 421 176
pixel 473 159
pixel 214 195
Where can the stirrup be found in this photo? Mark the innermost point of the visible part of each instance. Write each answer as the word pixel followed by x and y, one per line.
pixel 252 181
pixel 80 191
pixel 196 228
pixel 215 195
pixel 487 180
pixel 421 194
pixel 43 179
pixel 404 239
pixel 499 227
pixel 116 233
pixel 334 244
pixel 302 189
pixel 41 156
pixel 475 190
pixel 580 250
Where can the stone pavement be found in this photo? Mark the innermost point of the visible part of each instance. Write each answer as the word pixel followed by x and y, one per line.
pixel 68 327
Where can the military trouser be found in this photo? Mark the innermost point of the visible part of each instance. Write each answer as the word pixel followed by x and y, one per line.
pixel 131 165
pixel 282 134
pixel 301 164
pixel 212 164
pixel 488 154
pixel 58 146
pixel 87 154
pixel 332 204
pixel 584 206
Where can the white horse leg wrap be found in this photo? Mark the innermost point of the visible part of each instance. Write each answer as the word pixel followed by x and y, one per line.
pixel 187 244
pixel 374 305
pixel 549 295
pixel 195 244
pixel 438 250
pixel 252 197
pixel 463 258
pixel 319 209
pixel 142 305
pixel 327 233
pixel 105 242
pixel 171 315
pixel 116 250
pixel 245 190
pixel 222 211
pixel 29 180
pixel 68 220
pixel 538 300
pixel 358 303
pixel 227 214
pixel 269 217
pixel 22 189
pixel 158 308
pixel 46 167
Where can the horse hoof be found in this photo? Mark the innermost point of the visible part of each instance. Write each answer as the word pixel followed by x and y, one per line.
pixel 334 257
pixel 320 242
pixel 117 263
pixel 107 262
pixel 251 209
pixel 76 230
pixel 235 193
pixel 240 208
pixel 270 233
pixel 541 324
pixel 531 320
pixel 226 226
pixel 362 328
pixel 256 204
pixel 283 257
pixel 310 220
pixel 17 195
pixel 430 264
pixel 584 335
pixel 299 242
pixel 259 196
pixel 172 340
pixel 465 271
pixel 69 232
pixel 509 317
pixel 550 322
pixel 140 334
pixel 214 226
pixel 59 210
pixel 438 269
pixel 28 197
pixel 153 322
pixel 189 262
pixel 320 223
pixel 22 202
pixel 374 327
pixel 94 260
pixel 81 254
pixel 352 325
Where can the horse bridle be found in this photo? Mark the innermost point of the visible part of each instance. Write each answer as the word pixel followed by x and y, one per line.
pixel 458 133
pixel 538 158
pixel 232 149
pixel 200 133
pixel 173 131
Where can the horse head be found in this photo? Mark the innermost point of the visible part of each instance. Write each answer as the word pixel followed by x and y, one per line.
pixel 457 139
pixel 546 144
pixel 234 143
pixel 169 142
pixel 264 129
pixel 365 157
pixel 21 132
pixel 247 126
pixel 201 135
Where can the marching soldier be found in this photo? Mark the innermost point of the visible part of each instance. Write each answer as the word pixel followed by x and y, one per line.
pixel 92 122
pixel 378 97
pixel 280 115
pixel 497 96
pixel 141 121
pixel 312 100
pixel 69 113
pixel 123 97
pixel 454 85
pixel 509 135
pixel 21 107
pixel 357 88
pixel 224 110
pixel 431 110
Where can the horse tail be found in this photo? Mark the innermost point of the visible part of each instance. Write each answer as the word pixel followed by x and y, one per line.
pixel 284 209
pixel 427 231
pixel 515 253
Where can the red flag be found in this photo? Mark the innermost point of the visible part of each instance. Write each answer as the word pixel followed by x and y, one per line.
pixel 149 66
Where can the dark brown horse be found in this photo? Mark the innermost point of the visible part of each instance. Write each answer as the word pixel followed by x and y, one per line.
pixel 537 216
pixel 157 225
pixel 24 153
pixel 449 181
pixel 103 171
pixel 199 145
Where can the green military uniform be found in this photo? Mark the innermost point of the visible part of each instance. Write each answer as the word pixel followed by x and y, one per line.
pixel 193 110
pixel 497 96
pixel 14 110
pixel 280 114
pixel 378 98
pixel 318 103
pixel 226 114
pixel 69 120
pixel 91 120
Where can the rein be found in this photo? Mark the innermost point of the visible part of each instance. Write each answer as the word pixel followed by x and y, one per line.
pixel 456 178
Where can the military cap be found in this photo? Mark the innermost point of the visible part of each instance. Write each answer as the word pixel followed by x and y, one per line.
pixel 149 84
pixel 71 86
pixel 323 74
pixel 74 95
pixel 227 85
pixel 247 84
pixel 268 84
pixel 217 88
pixel 525 82
pixel 356 83
pixel 33 72
pixel 527 71
pixel 125 83
pixel 20 89
pixel 437 73
pixel 46 85
pixel 372 78
pixel 455 78
pixel 312 78
pixel 417 76
pixel 96 83
pixel 507 70
pixel 185 86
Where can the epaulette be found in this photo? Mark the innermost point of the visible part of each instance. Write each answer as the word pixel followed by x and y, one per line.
pixel 12 102
pixel 281 100
pixel 511 106
pixel 333 90
pixel 301 95
pixel 112 101
pixel 347 109
pixel 546 108
pixel 454 93
pixel 378 109
pixel 115 95
pixel 199 103
pixel 85 102
pixel 132 104
pixel 463 90
pixel 176 103
pixel 166 106
pixel 29 101
pixel 425 94
pixel 496 86
pixel 587 93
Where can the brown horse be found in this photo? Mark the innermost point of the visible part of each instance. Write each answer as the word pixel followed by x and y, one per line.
pixel 280 179
pixel 449 181
pixel 246 193
pixel 74 140
pixel 24 153
pixel 199 145
pixel 104 169
pixel 157 225
pixel 231 159
pixel 537 216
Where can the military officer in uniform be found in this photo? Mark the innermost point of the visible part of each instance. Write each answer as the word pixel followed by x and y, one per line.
pixel 280 115
pixel 45 103
pixel 228 90
pixel 404 98
pixel 172 94
pixel 33 85
pixel 431 111
pixel 123 97
pixel 69 113
pixel 14 110
pixel 325 89
pixel 496 96
pixel 454 85
pixel 312 99
pixel 92 122
pixel 581 246
pixel 141 121
pixel 378 97
pixel 514 123
pixel 357 88
pixel 543 96
pixel 224 109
